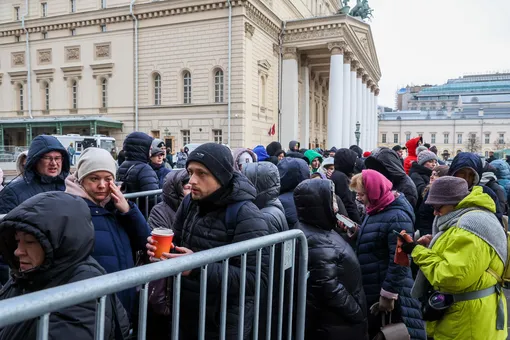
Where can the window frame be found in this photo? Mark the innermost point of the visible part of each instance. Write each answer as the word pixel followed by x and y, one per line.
pixel 219 86
pixel 487 137
pixel 17 13
pixel 433 138
pixel 103 28
pixel 72 31
pixel 408 136
pixel 72 8
pixel 383 138
pixel 74 94
pixel 46 90
pixel 395 138
pixel 156 84
pixel 446 138
pixel 218 136
pixel 459 138
pixel 186 137
pixel 21 98
pixel 186 87
pixel 104 93
pixel 501 138
pixel 44 9
pixel 103 4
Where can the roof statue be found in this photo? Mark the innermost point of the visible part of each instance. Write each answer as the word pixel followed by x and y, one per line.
pixel 362 9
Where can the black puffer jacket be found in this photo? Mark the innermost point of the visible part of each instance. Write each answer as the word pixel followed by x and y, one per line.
pixel 336 303
pixel 32 182
pixel 360 164
pixel 345 161
pixel 62 225
pixel 265 178
pixel 203 227
pixel 135 172
pixel 163 213
pixel 292 172
pixel 421 177
pixel 387 162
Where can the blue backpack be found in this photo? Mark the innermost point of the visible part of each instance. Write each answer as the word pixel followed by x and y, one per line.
pixel 230 215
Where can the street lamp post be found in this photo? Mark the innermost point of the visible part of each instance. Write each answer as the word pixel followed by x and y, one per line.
pixel 357 133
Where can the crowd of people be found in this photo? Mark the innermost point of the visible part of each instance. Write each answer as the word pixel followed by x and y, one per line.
pixel 391 239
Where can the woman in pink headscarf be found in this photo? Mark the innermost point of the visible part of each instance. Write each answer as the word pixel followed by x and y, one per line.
pixel 387 285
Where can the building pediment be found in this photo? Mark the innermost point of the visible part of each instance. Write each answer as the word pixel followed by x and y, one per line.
pixel 264 64
pixel 364 38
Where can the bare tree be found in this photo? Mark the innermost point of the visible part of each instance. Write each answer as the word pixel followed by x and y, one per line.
pixel 500 144
pixel 473 144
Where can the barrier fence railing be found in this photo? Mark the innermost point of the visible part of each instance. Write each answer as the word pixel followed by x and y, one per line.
pixel 145 196
pixel 42 303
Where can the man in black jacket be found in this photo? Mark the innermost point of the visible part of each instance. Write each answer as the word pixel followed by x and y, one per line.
pixel 201 224
pixel 345 162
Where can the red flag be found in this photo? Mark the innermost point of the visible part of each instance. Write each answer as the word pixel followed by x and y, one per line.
pixel 272 131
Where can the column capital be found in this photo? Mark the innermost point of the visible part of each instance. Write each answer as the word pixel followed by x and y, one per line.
pixel 337 47
pixel 359 72
pixel 376 92
pixel 348 57
pixel 290 53
pixel 249 29
pixel 305 61
pixel 354 65
pixel 373 88
pixel 370 82
pixel 364 78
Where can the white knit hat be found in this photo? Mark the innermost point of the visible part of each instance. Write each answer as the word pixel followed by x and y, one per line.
pixel 95 159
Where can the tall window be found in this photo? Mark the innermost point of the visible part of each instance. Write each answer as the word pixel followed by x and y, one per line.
pixel 487 138
pixel 157 89
pixel 408 136
pixel 20 97
pixel 218 136
pixel 104 93
pixel 186 77
pixel 44 9
pixel 459 138
pixel 103 4
pixel 74 95
pixel 263 91
pixel 16 13
pixel 46 96
pixel 446 137
pixel 218 86
pixel 383 139
pixel 73 6
pixel 324 118
pixel 395 138
pixel 186 138
pixel 501 138
pixel 317 113
pixel 432 138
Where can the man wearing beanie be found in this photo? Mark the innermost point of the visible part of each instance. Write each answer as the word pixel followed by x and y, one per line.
pixel 219 211
pixel 120 228
pixel 157 163
pixel 135 172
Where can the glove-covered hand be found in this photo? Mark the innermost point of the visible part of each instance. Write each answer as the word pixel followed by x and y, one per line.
pixel 385 304
pixel 408 247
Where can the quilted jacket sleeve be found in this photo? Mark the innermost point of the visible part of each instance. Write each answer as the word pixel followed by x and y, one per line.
pixel 8 200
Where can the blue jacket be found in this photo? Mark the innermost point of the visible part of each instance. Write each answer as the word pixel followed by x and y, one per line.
pixel 376 250
pixel 32 183
pixel 503 174
pixel 118 237
pixel 292 172
pixel 261 153
pixel 161 171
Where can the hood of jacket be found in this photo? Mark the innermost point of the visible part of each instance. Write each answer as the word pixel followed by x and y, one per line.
pixel 265 178
pixel 40 146
pixel 172 188
pixel 387 162
pixel 312 154
pixel 357 149
pixel 19 162
pixel 477 198
pixel 420 170
pixel 467 160
pixel 292 172
pixel 298 155
pixel 292 144
pixel 63 226
pixel 345 161
pixel 272 148
pixel 137 146
pixel 411 146
pixel 236 153
pixel 261 153
pixel 314 203
pixel 327 161
pixel 501 169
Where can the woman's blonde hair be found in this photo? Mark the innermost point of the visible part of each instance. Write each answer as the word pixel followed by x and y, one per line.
pixel 357 183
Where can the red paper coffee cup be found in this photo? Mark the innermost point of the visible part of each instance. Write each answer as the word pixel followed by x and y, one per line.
pixel 164 238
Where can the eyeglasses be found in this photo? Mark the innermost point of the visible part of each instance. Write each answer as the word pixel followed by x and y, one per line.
pixel 49 159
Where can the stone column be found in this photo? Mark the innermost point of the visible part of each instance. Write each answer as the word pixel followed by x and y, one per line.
pixel 376 119
pixel 250 137
pixel 352 113
pixel 359 97
pixel 346 121
pixel 371 114
pixel 305 104
pixel 290 96
pixel 364 109
pixel 335 97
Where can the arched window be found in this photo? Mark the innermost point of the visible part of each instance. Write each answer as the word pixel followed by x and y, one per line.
pixel 20 97
pixel 157 89
pixel 104 93
pixel 74 95
pixel 46 96
pixel 186 77
pixel 218 86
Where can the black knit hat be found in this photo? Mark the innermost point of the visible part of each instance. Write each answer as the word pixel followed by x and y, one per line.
pixel 217 158
pixel 272 147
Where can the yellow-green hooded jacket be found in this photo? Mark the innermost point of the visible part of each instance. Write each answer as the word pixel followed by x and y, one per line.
pixel 457 263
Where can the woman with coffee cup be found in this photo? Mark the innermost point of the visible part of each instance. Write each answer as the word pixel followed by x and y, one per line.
pixel 120 228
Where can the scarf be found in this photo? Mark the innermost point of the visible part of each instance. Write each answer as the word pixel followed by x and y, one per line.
pixel 378 191
pixel 74 187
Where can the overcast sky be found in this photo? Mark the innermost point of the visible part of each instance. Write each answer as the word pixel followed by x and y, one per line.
pixel 429 41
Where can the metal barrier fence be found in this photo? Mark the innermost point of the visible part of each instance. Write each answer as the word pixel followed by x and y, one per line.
pixel 145 195
pixel 42 303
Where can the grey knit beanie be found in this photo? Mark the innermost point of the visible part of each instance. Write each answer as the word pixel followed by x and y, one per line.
pixel 95 159
pixel 425 156
pixel 447 190
pixel 420 149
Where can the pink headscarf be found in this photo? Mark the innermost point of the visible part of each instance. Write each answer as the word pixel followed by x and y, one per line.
pixel 377 190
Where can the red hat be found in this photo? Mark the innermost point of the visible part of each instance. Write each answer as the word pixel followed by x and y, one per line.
pixel 366 154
